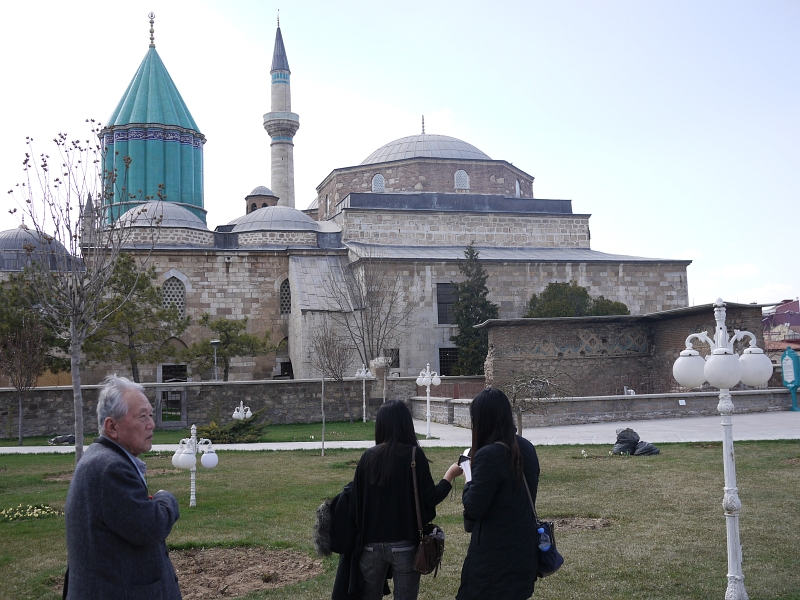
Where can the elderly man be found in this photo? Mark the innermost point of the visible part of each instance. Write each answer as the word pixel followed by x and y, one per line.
pixel 115 532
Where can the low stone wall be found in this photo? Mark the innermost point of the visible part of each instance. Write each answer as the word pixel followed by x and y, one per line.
pixel 49 410
pixel 595 409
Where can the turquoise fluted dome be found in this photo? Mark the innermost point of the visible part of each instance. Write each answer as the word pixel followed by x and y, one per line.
pixel 153 127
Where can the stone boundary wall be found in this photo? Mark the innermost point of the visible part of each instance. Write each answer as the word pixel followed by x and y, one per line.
pixel 177 236
pixel 598 409
pixel 48 410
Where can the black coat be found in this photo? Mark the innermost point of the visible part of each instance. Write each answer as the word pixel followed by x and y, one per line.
pixel 501 560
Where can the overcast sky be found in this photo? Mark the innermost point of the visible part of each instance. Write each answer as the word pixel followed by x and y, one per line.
pixel 674 124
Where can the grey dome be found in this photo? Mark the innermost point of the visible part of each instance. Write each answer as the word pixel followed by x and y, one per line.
pixel 274 218
pixel 426 146
pixel 170 215
pixel 13 253
pixel 261 190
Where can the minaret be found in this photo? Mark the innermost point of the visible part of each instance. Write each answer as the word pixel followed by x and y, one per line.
pixel 281 125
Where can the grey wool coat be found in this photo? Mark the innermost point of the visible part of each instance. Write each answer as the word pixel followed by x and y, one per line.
pixel 115 533
pixel 502 556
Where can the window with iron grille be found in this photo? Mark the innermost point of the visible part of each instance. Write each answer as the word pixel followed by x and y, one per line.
pixel 253 207
pixel 448 358
pixel 286 298
pixel 172 373
pixel 445 296
pixel 174 292
pixel 171 404
pixel 462 180
pixel 393 354
pixel 378 184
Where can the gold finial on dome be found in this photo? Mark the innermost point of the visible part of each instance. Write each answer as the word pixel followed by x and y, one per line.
pixel 152 16
pixel 423 124
pixel 279 18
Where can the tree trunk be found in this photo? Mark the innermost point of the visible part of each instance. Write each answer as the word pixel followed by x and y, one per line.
pixel 323 416
pixel 519 420
pixel 346 401
pixel 132 356
pixel 225 372
pixel 19 443
pixel 77 394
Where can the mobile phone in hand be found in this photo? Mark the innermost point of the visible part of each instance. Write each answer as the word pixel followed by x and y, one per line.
pixel 465 464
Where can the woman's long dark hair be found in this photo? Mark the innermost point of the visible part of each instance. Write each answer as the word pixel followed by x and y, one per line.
pixel 492 422
pixel 393 425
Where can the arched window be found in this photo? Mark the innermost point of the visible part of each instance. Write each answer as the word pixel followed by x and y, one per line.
pixel 378 184
pixel 253 207
pixel 518 190
pixel 286 298
pixel 462 180
pixel 264 205
pixel 173 292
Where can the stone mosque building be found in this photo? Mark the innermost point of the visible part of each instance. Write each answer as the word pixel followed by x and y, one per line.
pixel 414 204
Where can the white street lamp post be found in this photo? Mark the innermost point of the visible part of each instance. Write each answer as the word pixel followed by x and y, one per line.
pixel 723 369
pixel 215 343
pixel 363 374
pixel 185 458
pixel 242 412
pixel 427 378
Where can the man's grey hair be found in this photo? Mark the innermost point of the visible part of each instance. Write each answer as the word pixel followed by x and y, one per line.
pixel 110 401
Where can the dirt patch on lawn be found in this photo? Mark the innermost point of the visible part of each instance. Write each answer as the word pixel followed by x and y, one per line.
pixel 580 523
pixel 231 572
pixel 792 461
pixel 67 477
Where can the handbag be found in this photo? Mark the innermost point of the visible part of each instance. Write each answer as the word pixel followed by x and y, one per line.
pixel 431 537
pixel 550 560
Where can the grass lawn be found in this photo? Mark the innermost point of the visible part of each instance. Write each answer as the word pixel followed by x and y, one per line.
pixel 666 539
pixel 335 431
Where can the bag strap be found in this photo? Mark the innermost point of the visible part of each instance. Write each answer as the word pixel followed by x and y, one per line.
pixel 416 491
pixel 525 481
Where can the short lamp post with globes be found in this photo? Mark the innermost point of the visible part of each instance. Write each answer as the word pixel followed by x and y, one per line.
pixel 185 458
pixel 723 369
pixel 363 374
pixel 242 412
pixel 427 378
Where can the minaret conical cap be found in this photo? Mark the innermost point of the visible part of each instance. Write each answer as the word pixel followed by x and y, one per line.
pixel 279 60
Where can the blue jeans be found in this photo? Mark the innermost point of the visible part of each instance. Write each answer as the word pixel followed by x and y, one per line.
pixel 375 561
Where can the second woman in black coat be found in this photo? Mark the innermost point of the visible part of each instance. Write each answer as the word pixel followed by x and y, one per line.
pixel 502 556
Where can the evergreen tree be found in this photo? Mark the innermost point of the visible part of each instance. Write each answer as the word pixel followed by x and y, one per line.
pixel 571 300
pixel 471 307
pixel 233 342
pixel 138 331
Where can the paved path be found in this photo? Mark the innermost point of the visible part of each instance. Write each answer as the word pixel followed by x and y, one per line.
pixel 755 426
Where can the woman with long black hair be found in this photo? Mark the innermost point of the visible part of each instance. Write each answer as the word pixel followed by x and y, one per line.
pixel 502 556
pixel 384 509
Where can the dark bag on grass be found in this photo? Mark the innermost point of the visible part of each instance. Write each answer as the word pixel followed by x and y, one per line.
pixel 431 537
pixel 646 449
pixel 627 439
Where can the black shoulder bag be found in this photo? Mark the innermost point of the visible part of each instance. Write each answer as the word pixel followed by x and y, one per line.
pixel 550 560
pixel 431 537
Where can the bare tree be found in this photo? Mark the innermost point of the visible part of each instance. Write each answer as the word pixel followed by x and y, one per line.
pixel 332 354
pixel 369 305
pixel 69 203
pixel 22 360
pixel 529 390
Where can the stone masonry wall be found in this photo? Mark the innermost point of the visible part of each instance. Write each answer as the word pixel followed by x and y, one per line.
pixel 171 236
pixel 278 237
pixel 461 229
pixel 422 175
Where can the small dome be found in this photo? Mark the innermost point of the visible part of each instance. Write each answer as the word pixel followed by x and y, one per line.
pixel 261 190
pixel 425 146
pixel 14 255
pixel 274 218
pixel 170 214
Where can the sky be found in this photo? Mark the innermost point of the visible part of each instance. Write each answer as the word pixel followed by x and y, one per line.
pixel 674 124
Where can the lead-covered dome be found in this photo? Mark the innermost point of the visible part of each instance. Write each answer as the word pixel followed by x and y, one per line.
pixel 18 246
pixel 161 214
pixel 425 146
pixel 274 218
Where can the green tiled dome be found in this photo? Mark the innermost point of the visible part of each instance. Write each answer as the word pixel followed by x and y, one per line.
pixel 152 97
